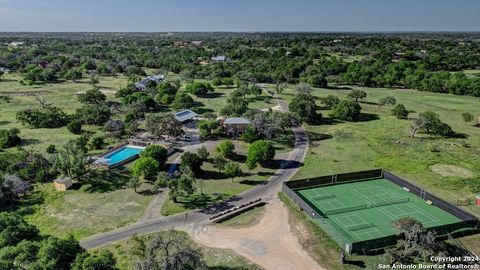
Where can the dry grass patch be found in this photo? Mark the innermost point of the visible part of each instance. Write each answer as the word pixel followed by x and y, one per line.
pixel 451 171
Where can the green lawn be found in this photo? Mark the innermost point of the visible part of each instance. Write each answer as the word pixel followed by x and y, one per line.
pixel 62 95
pixel 214 186
pixel 100 205
pixel 382 141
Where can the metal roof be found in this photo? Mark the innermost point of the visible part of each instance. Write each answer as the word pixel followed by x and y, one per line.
pixel 237 121
pixel 185 115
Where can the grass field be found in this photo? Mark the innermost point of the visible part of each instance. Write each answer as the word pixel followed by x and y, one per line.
pixel 382 141
pixel 369 208
pixel 214 186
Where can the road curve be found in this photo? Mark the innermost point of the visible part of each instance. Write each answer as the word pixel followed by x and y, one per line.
pixel 196 218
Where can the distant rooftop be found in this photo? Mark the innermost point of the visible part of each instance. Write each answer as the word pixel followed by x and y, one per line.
pixel 219 58
pixel 185 115
pixel 237 121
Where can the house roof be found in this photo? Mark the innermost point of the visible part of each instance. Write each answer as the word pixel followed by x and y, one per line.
pixel 185 115
pixel 219 58
pixel 237 121
pixel 63 180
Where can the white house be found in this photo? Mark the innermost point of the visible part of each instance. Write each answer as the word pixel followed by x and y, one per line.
pixel 219 58
pixel 142 85
pixel 16 44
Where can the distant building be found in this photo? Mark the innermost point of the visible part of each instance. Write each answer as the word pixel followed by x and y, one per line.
pixel 184 116
pixel 219 58
pixel 142 85
pixel 398 55
pixel 4 70
pixel 234 126
pixel 181 43
pixel 197 43
pixel 16 44
pixel 62 184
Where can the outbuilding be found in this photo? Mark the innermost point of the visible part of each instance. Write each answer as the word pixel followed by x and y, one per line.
pixel 62 184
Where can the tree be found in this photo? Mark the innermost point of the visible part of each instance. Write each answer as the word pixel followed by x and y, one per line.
pixel 466 116
pixel 232 170
pixel 1 74
pixel 219 163
pixel 163 124
pixel 56 253
pixel 199 88
pixel 145 167
pixel 9 138
pixel 93 96
pixel 191 162
pixel 43 118
pixel 72 161
pixel 94 114
pixel 357 94
pixel 303 89
pixel 387 101
pixel 14 229
pixel 157 152
pixel 415 242
pixel 170 251
pixel 13 187
pixel 226 149
pixel 116 128
pixel 279 87
pixel 140 97
pixel 207 127
pixel 75 127
pixel 134 183
pixel 400 111
pixel 303 105
pixel 182 101
pixel 134 78
pixel 433 125
pixel 96 143
pixel 317 80
pixel 260 152
pixel 203 153
pixel 330 101
pixel 101 260
pixel 347 110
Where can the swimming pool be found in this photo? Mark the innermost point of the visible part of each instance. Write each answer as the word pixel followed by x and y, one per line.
pixel 122 154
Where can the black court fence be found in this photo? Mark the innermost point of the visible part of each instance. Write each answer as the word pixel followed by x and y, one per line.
pixel 468 223
pixel 334 179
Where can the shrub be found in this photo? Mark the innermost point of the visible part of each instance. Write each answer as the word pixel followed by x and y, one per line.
pixel 51 149
pixel 96 143
pixel 43 118
pixel 199 88
pixel 347 110
pixel 226 149
pixel 157 152
pixel 94 114
pixel 330 101
pixel 75 127
pixel 9 138
pixel 400 111
pixel 146 167
pixel 203 153
pixel 259 152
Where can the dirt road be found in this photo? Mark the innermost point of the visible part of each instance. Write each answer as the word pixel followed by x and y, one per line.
pixel 270 243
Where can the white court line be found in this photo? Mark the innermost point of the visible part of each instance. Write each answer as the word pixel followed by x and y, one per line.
pixel 418 210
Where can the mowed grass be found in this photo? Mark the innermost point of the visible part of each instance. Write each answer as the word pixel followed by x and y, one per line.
pixel 97 206
pixel 214 185
pixel 382 141
pixel 127 254
pixel 61 95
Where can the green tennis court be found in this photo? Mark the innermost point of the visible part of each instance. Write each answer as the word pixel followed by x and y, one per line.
pixel 364 210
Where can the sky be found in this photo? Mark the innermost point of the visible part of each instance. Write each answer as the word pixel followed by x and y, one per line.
pixel 238 15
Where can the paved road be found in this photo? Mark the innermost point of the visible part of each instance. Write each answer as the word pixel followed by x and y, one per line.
pixel 267 192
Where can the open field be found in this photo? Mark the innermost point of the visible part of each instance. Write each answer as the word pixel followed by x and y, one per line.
pixel 381 141
pixel 102 204
pixel 61 95
pixel 127 254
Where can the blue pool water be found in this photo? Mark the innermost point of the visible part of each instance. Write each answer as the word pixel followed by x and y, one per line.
pixel 122 154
